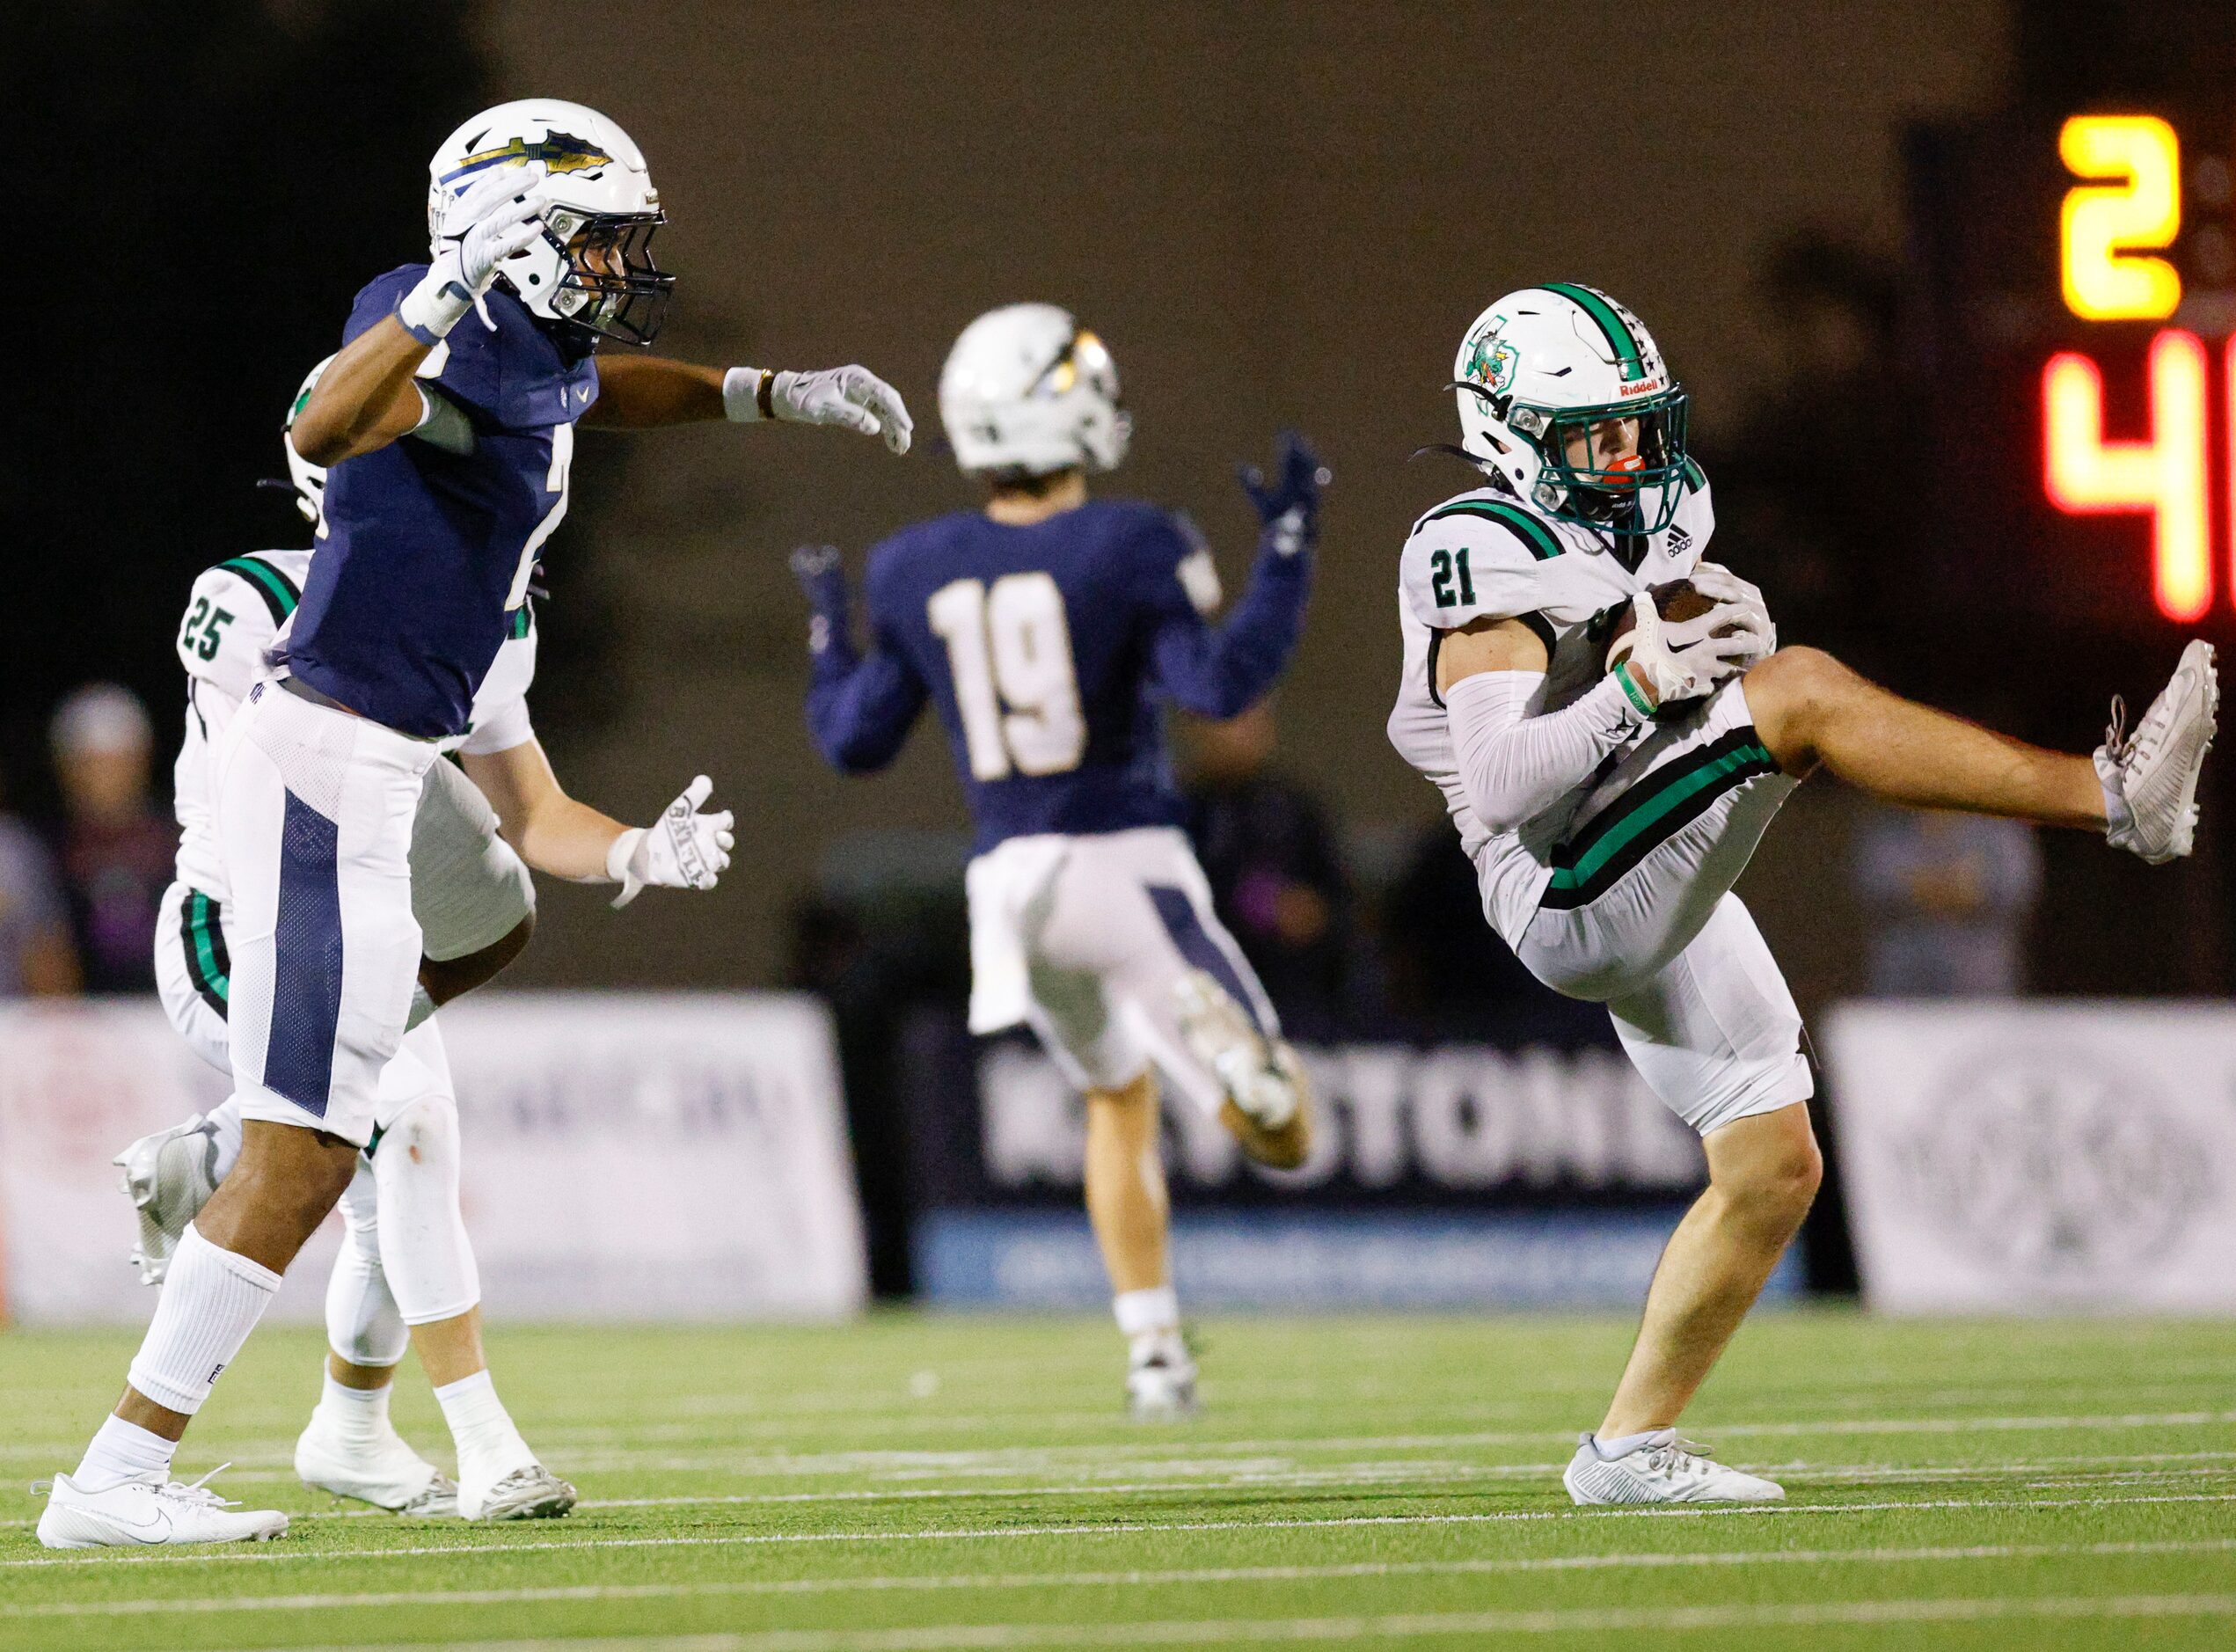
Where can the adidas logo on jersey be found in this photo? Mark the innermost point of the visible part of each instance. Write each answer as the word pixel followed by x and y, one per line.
pixel 1680 542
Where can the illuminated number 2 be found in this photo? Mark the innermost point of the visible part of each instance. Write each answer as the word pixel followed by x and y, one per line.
pixel 1009 650
pixel 2165 475
pixel 2138 206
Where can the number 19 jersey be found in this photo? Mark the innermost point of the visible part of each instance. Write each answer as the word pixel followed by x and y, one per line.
pixel 1047 651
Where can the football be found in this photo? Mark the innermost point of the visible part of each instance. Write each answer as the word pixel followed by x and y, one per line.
pixel 1673 599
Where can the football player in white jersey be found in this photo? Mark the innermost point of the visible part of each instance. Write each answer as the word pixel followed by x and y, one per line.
pixel 406 1269
pixel 1609 811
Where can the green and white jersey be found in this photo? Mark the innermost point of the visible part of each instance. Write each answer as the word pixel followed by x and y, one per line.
pixel 237 614
pixel 1488 555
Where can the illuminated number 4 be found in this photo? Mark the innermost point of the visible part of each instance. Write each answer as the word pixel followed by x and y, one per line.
pixel 1009 651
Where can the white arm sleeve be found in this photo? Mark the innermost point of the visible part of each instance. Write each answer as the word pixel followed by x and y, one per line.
pixel 1515 766
pixel 501 729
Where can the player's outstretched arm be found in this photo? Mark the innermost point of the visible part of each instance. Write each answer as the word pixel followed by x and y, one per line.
pixel 860 708
pixel 555 834
pixel 1223 671
pixel 366 398
pixel 642 392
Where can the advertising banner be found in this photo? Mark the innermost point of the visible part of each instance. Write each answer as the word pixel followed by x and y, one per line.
pixel 2039 1157
pixel 1445 1176
pixel 626 1156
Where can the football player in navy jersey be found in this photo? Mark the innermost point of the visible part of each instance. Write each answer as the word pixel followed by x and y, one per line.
pixel 541 216
pixel 1048 631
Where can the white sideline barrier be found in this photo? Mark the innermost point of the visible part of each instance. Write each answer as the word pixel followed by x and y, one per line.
pixel 628 1156
pixel 2041 1156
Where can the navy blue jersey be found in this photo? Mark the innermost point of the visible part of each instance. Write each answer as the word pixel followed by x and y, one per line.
pixel 1047 652
pixel 426 550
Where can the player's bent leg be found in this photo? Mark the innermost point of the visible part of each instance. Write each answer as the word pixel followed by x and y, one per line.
pixel 350 1447
pixel 428 1263
pixel 1130 1208
pixel 444 979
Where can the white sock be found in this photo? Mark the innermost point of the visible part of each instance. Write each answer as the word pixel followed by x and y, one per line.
pixel 1149 1320
pixel 122 1450
pixel 358 1415
pixel 489 1447
pixel 211 1301
pixel 1622 1445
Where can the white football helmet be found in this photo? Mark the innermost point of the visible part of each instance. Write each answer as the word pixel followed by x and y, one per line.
pixel 1548 362
pixel 592 267
pixel 1028 391
pixel 310 479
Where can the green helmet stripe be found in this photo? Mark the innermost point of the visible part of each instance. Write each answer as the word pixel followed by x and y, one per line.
pixel 1618 336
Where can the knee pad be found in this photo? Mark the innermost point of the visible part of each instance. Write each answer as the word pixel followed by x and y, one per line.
pixel 424 1250
pixel 469 889
pixel 362 1324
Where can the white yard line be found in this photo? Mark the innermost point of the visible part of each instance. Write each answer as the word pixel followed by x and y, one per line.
pixel 267 1555
pixel 1585 1620
pixel 605 1439
pixel 2113 1469
pixel 1177 1577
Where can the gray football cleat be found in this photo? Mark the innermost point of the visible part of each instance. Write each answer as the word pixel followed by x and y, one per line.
pixel 1660 1468
pixel 2151 778
pixel 533 1493
pixel 1160 1387
pixel 387 1473
pixel 169 1176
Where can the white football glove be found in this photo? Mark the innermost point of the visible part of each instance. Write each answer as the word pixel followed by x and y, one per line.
pixel 1720 584
pixel 852 397
pixel 499 217
pixel 1683 659
pixel 684 849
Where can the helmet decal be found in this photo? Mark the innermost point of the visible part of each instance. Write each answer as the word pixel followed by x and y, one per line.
pixel 1491 360
pixel 559 151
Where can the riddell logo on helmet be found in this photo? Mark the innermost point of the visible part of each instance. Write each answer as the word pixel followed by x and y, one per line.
pixel 1645 387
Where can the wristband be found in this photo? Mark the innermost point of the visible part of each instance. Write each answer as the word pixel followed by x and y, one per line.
pixel 616 855
pixel 431 308
pixel 746 395
pixel 1630 691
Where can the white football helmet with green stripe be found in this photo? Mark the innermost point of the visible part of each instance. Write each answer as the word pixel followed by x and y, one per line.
pixel 1543 369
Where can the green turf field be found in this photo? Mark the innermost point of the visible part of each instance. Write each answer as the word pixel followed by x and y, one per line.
pixel 928 1482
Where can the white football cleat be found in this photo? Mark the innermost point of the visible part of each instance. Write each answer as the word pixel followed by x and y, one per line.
pixel 169 1176
pixel 533 1493
pixel 148 1511
pixel 1160 1386
pixel 1255 1073
pixel 1660 1468
pixel 386 1473
pixel 2150 780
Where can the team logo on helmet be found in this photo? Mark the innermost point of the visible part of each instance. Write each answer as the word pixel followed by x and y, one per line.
pixel 1491 360
pixel 559 151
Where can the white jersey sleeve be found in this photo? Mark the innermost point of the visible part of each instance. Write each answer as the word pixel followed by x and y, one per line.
pixel 500 720
pixel 1478 556
pixel 234 614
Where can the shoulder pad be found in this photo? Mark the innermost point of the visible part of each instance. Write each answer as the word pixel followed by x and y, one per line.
pixel 233 614
pixel 1474 558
